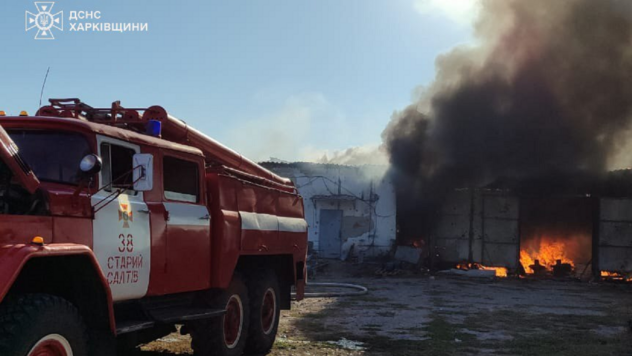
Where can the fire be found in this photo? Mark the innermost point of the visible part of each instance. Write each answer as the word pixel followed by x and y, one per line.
pixel 547 254
pixel 614 276
pixel 500 271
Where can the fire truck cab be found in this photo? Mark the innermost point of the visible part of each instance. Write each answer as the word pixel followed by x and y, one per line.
pixel 118 227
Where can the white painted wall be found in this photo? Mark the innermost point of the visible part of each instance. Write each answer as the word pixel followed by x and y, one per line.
pixel 364 194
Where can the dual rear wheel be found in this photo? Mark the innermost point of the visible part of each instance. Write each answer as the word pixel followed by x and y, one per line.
pixel 264 317
pixel 250 323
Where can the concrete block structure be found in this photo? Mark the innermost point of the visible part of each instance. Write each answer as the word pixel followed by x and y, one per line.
pixel 349 209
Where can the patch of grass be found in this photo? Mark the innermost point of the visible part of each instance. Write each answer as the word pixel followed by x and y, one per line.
pixel 567 343
pixel 399 332
pixel 408 329
pixel 444 336
pixel 549 334
pixel 524 323
pixel 282 344
pixel 371 328
pixel 370 298
pixel 384 345
pixel 399 306
pixel 386 314
pixel 344 304
pixel 442 341
pixel 413 331
pixel 370 331
pixel 374 302
pixel 409 283
pixel 439 303
pixel 290 345
pixel 449 312
pixel 312 327
pixel 321 315
pixel 435 293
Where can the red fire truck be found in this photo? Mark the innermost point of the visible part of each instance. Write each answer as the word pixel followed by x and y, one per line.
pixel 119 226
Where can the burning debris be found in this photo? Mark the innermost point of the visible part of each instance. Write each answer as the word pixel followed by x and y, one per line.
pixel 465 266
pixel 615 277
pixel 556 236
pixel 546 258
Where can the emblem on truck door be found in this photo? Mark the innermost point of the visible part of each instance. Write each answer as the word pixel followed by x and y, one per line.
pixel 125 214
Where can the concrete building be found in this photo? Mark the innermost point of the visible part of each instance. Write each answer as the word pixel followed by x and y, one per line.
pixel 348 209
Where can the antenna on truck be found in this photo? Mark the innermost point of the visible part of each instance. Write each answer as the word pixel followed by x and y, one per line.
pixel 43 86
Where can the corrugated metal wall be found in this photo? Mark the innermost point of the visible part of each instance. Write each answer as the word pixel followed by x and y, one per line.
pixel 482 227
pixel 615 235
pixel 501 230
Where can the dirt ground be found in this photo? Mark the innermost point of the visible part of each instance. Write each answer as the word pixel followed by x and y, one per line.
pixel 443 315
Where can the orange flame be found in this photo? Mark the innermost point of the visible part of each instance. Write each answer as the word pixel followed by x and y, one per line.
pixel 500 271
pixel 547 254
pixel 615 276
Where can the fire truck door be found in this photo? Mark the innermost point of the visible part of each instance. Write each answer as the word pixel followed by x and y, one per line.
pixel 121 230
pixel 188 225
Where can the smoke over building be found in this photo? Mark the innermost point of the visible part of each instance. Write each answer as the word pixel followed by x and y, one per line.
pixel 544 94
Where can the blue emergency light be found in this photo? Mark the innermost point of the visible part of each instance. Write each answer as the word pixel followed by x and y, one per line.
pixel 154 128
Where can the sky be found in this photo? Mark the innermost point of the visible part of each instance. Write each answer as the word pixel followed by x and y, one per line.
pixel 292 79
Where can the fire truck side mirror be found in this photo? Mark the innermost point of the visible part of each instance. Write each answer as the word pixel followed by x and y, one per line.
pixel 143 172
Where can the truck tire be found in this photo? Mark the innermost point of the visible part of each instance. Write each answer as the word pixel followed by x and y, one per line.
pixel 41 324
pixel 264 294
pixel 225 335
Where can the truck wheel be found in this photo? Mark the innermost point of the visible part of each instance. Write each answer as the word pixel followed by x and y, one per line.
pixel 225 335
pixel 264 312
pixel 41 325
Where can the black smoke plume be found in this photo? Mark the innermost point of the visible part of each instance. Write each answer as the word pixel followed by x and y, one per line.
pixel 545 91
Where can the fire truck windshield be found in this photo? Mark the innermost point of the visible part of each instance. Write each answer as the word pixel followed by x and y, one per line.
pixel 53 155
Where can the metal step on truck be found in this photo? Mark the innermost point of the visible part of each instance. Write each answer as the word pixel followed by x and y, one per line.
pixel 120 226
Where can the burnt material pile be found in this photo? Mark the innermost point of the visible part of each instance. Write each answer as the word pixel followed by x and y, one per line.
pixel 546 91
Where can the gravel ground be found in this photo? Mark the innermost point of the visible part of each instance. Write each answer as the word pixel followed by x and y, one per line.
pixel 413 315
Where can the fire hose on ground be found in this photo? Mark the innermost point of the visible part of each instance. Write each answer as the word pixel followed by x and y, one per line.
pixel 359 290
